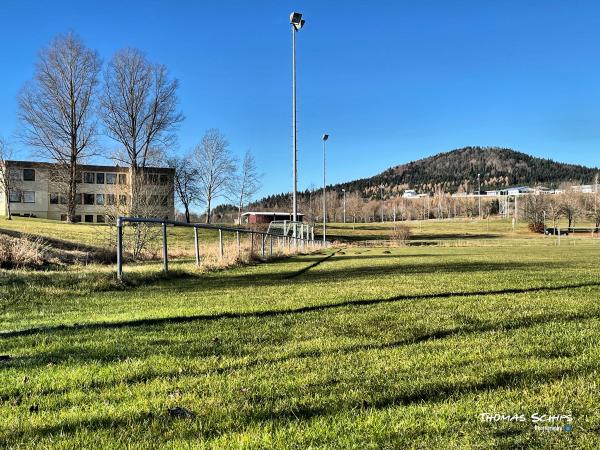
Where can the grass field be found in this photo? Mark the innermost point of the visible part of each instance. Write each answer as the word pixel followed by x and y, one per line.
pixel 368 348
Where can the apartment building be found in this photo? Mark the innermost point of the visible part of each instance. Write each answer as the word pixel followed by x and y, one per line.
pixel 38 189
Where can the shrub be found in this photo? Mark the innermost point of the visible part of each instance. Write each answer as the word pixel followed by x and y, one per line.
pixel 22 252
pixel 536 227
pixel 400 234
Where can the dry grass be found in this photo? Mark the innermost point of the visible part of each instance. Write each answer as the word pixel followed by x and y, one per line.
pixel 24 252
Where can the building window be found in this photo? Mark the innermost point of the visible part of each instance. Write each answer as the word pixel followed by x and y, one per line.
pixel 63 217
pixel 88 199
pixel 28 175
pixel 62 199
pixel 99 178
pixel 100 219
pixel 14 174
pixel 122 178
pixel 78 198
pixel 164 179
pixel 111 178
pixel 88 177
pixel 53 198
pixel 78 177
pixel 164 200
pixel 123 199
pixel 99 199
pixel 89 218
pixel 151 178
pixel 28 197
pixel 77 218
pixel 14 197
pixel 110 199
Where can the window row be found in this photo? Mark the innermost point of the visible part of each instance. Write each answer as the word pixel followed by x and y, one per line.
pixel 87 218
pixel 104 178
pixel 22 174
pixel 89 199
pixel 21 197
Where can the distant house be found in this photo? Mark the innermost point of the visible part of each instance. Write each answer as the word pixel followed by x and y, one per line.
pixel 410 193
pixel 268 216
pixel 517 190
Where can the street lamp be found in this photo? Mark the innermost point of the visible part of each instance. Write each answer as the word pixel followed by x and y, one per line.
pixel 325 137
pixel 381 203
pixel 297 22
pixel 479 193
pixel 344 192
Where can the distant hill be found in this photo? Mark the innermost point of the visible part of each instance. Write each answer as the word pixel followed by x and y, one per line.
pixel 457 170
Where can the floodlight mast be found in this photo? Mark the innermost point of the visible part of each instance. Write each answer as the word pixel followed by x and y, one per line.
pixel 325 137
pixel 297 22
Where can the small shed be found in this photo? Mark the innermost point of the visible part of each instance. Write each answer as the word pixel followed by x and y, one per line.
pixel 268 216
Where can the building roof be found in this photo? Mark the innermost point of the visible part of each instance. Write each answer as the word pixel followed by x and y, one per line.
pixel 84 167
pixel 269 213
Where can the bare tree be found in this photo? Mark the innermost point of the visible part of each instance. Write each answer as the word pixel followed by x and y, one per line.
pixel 186 182
pixel 139 110
pixel 56 107
pixel 246 183
pixel 5 176
pixel 216 167
pixel 570 205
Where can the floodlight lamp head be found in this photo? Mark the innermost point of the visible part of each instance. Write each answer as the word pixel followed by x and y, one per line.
pixel 325 137
pixel 296 20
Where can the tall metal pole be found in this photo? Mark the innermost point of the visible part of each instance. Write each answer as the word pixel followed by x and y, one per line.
pixel 294 197
pixel 479 194
pixel 344 191
pixel 324 202
pixel 164 243
pixel 119 248
pixel 381 203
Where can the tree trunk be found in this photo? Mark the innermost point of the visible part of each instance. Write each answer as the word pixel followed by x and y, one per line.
pixel 71 202
pixel 9 214
pixel 208 210
pixel 187 213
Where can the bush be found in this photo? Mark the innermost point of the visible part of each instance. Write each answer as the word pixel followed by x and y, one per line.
pixel 22 252
pixel 400 234
pixel 536 227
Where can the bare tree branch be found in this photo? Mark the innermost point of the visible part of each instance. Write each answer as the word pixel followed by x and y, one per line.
pixel 56 107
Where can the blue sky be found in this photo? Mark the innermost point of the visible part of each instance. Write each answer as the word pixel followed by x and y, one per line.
pixel 390 81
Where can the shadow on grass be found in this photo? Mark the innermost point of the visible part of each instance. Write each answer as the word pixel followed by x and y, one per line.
pixel 206 350
pixel 274 313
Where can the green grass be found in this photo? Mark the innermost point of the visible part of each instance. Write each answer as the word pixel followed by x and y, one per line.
pixel 371 348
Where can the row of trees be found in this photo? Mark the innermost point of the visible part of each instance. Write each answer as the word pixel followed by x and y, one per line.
pixel 72 100
pixel 210 171
pixel 571 206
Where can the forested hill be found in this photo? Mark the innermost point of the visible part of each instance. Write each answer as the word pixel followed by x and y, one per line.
pixel 457 171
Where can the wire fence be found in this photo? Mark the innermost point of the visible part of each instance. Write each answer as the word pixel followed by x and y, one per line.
pixel 230 243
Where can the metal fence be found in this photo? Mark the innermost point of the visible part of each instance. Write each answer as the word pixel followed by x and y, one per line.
pixel 299 242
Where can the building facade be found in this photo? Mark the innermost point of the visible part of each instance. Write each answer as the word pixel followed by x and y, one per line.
pixel 39 189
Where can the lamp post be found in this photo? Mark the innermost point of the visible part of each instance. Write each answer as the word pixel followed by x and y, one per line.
pixel 479 194
pixel 381 186
pixel 325 137
pixel 297 22
pixel 344 192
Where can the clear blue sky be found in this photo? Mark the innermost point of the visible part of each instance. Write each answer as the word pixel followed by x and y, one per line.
pixel 391 81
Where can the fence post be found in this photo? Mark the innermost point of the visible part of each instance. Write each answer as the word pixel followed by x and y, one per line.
pixel 262 250
pixel 271 246
pixel 119 248
pixel 196 246
pixel 237 238
pixel 220 243
pixel 251 243
pixel 165 254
